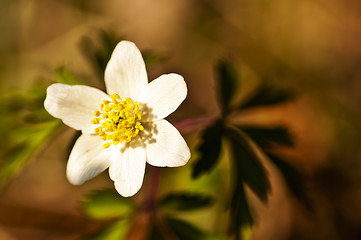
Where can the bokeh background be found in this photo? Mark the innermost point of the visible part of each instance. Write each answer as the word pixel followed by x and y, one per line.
pixel 309 47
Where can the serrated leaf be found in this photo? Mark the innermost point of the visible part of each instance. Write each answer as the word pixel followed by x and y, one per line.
pixel 185 201
pixel 186 231
pixel 63 75
pixel 116 231
pixel 106 204
pixel 209 149
pixel 267 95
pixel 249 168
pixel 227 78
pixel 240 214
pixel 24 127
pixel 264 136
pixel 294 180
pixel 22 144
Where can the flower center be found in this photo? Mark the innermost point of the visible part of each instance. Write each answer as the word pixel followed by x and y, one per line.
pixel 118 120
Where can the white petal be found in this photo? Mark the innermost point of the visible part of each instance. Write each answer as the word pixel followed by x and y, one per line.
pixel 75 105
pixel 87 159
pixel 166 148
pixel 163 96
pixel 127 172
pixel 125 73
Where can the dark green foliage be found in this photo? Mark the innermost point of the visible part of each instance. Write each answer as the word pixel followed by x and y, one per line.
pixel 185 201
pixel 264 136
pixel 267 95
pixel 240 214
pixel 99 51
pixel 209 150
pixel 25 126
pixel 63 75
pixel 227 78
pixel 106 204
pixel 152 58
pixel 172 228
pixel 155 234
pixel 22 144
pixel 186 231
pixel 248 168
pixel 115 231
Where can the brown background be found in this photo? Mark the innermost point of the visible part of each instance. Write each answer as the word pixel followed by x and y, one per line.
pixel 309 46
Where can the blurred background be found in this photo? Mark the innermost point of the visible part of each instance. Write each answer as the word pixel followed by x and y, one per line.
pixel 309 47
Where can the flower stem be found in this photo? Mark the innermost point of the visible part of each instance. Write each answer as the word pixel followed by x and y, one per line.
pixel 154 180
pixel 190 125
pixel 143 220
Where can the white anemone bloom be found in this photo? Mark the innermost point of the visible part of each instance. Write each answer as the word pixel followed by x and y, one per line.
pixel 123 129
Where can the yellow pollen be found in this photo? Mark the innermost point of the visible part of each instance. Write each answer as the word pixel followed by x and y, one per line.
pixel 117 120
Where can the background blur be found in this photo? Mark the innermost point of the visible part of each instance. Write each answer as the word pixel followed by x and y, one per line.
pixel 310 47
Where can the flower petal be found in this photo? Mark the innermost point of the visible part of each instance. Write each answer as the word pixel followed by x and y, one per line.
pixel 167 147
pixel 127 172
pixel 163 96
pixel 75 105
pixel 87 159
pixel 125 73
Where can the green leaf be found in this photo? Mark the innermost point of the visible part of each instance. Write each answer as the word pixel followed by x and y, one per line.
pixel 22 144
pixel 294 180
pixel 116 231
pixel 22 102
pixel 24 126
pixel 249 169
pixel 185 201
pixel 227 78
pixel 152 57
pixel 264 136
pixel 106 204
pixel 267 95
pixel 155 234
pixel 99 50
pixel 246 169
pixel 209 149
pixel 38 116
pixel 63 75
pixel 240 214
pixel 186 231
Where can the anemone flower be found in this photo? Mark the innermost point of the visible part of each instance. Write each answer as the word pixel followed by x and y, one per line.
pixel 125 127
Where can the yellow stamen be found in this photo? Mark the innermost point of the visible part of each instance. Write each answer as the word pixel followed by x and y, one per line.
pixel 97 113
pixel 106 145
pixel 95 121
pixel 117 120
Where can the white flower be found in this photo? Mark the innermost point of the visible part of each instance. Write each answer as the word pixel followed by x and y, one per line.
pixel 124 129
